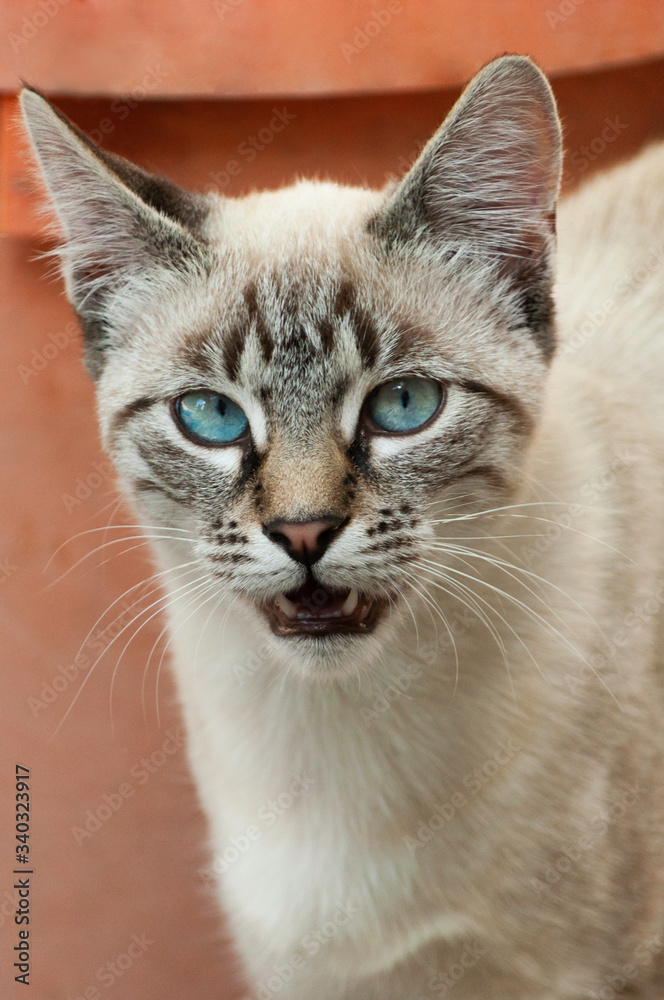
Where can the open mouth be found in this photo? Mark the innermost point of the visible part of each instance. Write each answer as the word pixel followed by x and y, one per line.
pixel 314 610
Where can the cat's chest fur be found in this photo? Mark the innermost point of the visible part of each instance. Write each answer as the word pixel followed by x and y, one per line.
pixel 350 827
pixel 335 838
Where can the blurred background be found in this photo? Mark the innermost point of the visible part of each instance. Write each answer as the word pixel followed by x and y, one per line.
pixel 229 95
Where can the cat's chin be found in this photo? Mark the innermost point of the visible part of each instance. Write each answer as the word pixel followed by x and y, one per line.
pixel 312 611
pixel 329 659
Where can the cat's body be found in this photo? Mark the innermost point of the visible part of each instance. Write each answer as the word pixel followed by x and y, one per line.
pixel 475 805
pixel 522 867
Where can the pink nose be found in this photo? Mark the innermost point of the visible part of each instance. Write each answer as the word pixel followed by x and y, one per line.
pixel 305 541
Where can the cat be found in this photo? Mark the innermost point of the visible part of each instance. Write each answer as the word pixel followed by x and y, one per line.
pixel 408 492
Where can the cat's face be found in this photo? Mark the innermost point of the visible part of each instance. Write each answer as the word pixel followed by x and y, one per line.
pixel 298 385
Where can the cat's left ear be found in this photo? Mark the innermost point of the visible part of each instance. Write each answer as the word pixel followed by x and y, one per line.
pixel 486 184
pixel 125 229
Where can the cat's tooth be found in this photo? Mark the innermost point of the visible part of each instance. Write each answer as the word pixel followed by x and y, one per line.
pixel 350 603
pixel 288 608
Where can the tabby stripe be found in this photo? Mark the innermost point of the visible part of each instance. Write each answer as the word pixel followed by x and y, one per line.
pixel 326 333
pixel 150 486
pixel 232 349
pixel 199 355
pixel 488 472
pixel 256 317
pixel 236 340
pixel 366 334
pixel 190 481
pixel 129 411
pixel 506 402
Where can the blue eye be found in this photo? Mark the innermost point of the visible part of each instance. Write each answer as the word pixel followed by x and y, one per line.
pixel 210 418
pixel 404 404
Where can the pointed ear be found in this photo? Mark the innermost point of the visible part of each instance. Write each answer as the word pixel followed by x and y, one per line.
pixel 122 226
pixel 486 184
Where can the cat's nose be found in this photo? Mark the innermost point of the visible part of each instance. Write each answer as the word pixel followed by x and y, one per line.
pixel 304 541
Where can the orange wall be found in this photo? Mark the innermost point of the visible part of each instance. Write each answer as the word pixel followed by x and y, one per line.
pixel 287 47
pixel 357 140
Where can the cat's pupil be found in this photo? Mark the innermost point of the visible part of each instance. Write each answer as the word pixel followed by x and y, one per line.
pixel 405 398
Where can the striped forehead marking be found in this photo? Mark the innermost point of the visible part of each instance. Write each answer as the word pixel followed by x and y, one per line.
pixel 280 325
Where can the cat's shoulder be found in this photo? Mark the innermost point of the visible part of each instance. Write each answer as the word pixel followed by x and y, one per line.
pixel 610 285
pixel 620 201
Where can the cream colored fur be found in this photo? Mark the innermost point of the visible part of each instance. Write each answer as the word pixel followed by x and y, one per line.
pixel 473 802
pixel 590 735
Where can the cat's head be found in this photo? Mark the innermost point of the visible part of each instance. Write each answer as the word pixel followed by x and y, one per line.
pixel 304 381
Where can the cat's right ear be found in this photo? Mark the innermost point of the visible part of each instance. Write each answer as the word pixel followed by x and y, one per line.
pixel 488 180
pixel 124 229
pixel 485 186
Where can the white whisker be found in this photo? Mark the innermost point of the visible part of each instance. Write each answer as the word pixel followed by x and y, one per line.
pixel 535 615
pixel 431 604
pixel 92 668
pixel 142 528
pixel 160 605
pixel 213 585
